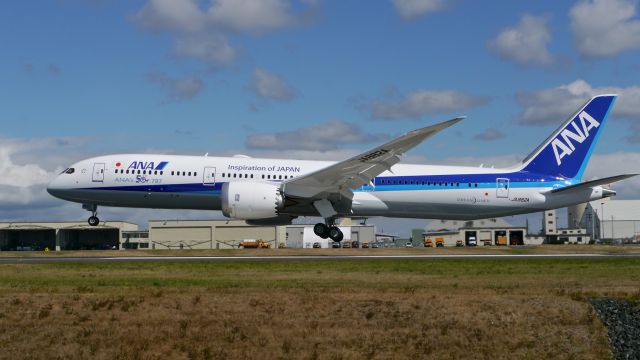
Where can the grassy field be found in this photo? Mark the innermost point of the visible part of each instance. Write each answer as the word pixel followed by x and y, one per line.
pixel 352 309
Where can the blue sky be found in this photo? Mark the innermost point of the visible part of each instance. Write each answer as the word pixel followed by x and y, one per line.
pixel 185 76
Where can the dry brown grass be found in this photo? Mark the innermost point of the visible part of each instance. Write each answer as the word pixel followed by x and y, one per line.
pixel 389 309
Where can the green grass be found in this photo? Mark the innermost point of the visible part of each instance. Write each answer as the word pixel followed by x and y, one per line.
pixel 589 273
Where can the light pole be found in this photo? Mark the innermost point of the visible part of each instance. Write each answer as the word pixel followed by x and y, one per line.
pixel 611 228
pixel 602 220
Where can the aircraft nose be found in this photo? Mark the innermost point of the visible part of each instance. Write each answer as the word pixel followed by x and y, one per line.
pixel 55 187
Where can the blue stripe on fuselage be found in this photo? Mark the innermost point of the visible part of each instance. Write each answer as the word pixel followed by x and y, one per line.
pixel 386 183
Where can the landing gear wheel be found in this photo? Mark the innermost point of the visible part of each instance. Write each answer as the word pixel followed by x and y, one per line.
pixel 321 230
pixel 335 234
pixel 93 221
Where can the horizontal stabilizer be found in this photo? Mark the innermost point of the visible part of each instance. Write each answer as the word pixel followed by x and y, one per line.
pixel 592 183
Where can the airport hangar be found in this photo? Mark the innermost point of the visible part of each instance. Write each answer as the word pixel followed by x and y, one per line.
pixel 163 234
pixel 620 224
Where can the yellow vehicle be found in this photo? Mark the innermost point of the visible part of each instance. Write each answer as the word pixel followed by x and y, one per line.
pixel 254 244
pixel 502 240
pixel 365 245
pixel 428 242
pixel 439 242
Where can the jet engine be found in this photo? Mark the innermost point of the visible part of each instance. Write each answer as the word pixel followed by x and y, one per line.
pixel 251 200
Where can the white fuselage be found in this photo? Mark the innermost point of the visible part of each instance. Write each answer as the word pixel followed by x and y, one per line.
pixel 409 191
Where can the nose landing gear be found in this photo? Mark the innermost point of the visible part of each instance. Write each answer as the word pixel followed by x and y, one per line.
pixel 93 219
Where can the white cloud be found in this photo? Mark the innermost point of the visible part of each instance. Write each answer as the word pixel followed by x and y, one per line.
pixel 23 184
pixel 490 134
pixel 526 43
pixel 171 15
pixel 551 106
pixel 411 9
pixel 202 33
pixel 178 89
pixel 250 15
pixel 322 137
pixel 605 27
pixel 634 134
pixel 271 86
pixel 420 103
pixel 210 48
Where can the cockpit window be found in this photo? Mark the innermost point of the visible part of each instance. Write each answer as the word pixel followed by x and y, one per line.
pixel 70 171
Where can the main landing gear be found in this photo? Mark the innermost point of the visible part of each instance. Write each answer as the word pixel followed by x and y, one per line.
pixel 93 219
pixel 328 231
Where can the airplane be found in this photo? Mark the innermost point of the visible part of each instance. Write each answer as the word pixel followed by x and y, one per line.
pixel 275 191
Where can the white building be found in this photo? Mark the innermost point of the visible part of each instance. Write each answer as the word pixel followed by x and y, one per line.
pixel 613 220
pixel 486 232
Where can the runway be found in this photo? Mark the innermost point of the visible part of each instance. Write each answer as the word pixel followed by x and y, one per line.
pixel 117 259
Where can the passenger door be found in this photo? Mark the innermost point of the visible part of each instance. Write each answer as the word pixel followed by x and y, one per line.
pixel 98 172
pixel 209 176
pixel 502 188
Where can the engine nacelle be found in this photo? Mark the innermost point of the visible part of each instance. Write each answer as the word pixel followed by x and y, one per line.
pixel 250 200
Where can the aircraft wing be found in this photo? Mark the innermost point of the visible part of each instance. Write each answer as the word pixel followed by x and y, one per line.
pixel 343 177
pixel 592 183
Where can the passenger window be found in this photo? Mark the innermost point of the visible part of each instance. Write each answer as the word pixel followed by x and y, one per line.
pixel 161 172
pixel 246 176
pixel 138 172
pixel 280 177
pixel 234 175
pixel 189 173
pixel 263 176
pixel 155 172
pixel 195 173
pixel 172 173
pixel 476 184
pixel 252 176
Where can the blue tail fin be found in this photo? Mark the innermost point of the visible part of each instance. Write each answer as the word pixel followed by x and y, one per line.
pixel 566 152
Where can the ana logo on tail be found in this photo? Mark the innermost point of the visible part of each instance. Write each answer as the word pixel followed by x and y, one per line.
pixel 563 144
